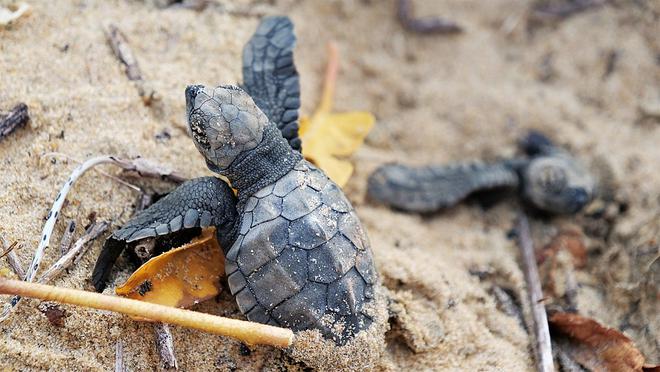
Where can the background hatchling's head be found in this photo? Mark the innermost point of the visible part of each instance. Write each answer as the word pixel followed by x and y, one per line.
pixel 554 180
pixel 558 184
pixel 224 123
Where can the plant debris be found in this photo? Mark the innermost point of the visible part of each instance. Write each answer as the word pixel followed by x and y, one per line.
pixel 15 118
pixel 250 332
pixel 181 277
pixel 165 345
pixel 67 237
pixel 119 357
pixel 54 312
pixel 141 166
pixel 596 347
pixel 570 240
pixel 327 135
pixel 425 25
pixel 12 258
pixel 74 254
pixel 541 332
pixel 124 53
pixel 546 10
pixel 13 12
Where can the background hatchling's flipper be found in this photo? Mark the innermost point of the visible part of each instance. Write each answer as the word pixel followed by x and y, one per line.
pixel 270 75
pixel 536 143
pixel 428 189
pixel 198 203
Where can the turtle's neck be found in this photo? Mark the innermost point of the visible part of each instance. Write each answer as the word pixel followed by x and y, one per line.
pixel 263 165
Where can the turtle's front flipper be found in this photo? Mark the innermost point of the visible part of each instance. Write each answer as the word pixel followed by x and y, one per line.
pixel 270 76
pixel 430 188
pixel 201 202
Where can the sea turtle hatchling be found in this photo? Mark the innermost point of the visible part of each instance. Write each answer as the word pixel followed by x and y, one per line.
pixel 548 177
pixel 296 253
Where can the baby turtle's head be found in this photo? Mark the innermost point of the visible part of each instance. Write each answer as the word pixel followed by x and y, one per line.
pixel 558 183
pixel 224 122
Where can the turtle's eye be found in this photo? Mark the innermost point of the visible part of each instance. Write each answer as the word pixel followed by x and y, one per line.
pixel 553 179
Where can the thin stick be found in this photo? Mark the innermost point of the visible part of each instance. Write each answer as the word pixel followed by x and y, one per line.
pixel 141 166
pixel 507 304
pixel 6 250
pixel 67 237
pixel 12 258
pixel 151 169
pixel 123 52
pixel 106 174
pixel 426 25
pixel 248 332
pixel 15 264
pixel 541 330
pixel 92 233
pixel 17 117
pixel 74 254
pixel 560 11
pixel 119 357
pixel 165 345
pixel 330 79
pixel 145 168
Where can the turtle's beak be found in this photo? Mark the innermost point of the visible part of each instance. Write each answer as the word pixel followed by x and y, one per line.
pixel 191 93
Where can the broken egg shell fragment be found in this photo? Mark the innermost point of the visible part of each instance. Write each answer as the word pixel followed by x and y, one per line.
pixel 181 277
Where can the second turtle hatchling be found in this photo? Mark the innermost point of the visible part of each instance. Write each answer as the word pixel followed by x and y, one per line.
pixel 547 177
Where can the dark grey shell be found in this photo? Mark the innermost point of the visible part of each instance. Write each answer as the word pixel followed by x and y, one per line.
pixel 301 259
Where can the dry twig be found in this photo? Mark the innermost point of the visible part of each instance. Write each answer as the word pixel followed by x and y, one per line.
pixel 248 332
pixel 556 12
pixel 507 304
pixel 17 117
pixel 141 166
pixel 7 249
pixel 541 330
pixel 12 258
pixel 15 264
pixel 425 25
pixel 165 345
pixel 75 253
pixel 119 357
pixel 124 53
pixel 67 237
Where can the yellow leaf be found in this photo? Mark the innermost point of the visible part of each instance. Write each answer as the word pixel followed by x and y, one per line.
pixel 327 135
pixel 180 277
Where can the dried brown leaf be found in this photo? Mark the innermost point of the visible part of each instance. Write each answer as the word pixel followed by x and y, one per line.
pixel 596 347
pixel 571 240
pixel 55 314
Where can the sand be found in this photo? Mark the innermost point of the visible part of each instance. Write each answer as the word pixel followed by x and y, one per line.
pixel 436 99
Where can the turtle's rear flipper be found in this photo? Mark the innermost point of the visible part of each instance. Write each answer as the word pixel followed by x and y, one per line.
pixel 198 203
pixel 428 189
pixel 270 75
